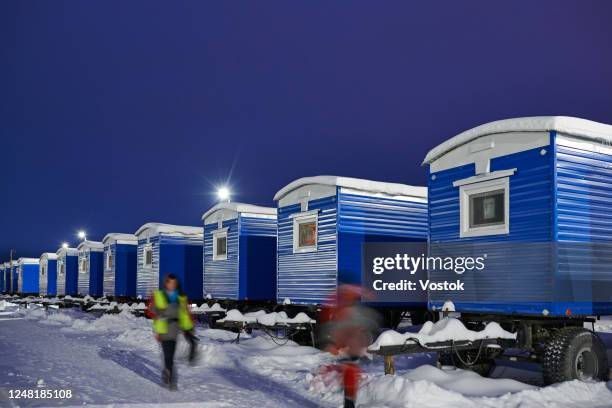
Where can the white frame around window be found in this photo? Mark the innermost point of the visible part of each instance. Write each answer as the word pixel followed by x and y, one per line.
pixel 219 234
pixel 304 218
pixel 468 190
pixel 145 249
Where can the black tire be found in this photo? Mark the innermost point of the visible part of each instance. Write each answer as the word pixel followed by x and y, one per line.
pixel 574 353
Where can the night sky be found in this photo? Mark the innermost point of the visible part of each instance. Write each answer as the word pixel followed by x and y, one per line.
pixel 117 113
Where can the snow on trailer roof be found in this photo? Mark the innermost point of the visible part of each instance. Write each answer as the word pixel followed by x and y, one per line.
pixel 28 261
pixel 167 229
pixel 117 237
pixel 582 128
pixel 240 208
pixel 48 255
pixel 91 245
pixel 67 251
pixel 393 189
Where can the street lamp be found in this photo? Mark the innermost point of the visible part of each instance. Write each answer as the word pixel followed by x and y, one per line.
pixel 82 235
pixel 65 245
pixel 224 194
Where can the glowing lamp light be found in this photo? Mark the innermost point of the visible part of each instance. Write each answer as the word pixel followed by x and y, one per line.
pixel 223 193
pixel 82 234
pixel 64 245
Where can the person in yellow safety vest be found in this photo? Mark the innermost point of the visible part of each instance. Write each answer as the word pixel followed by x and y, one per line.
pixel 169 310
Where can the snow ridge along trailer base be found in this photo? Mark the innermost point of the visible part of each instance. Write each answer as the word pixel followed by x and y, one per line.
pixel 537 189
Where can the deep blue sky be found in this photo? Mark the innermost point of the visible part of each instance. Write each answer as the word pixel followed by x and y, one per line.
pixel 117 113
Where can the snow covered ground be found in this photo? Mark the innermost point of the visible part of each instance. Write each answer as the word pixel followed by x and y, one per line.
pixel 113 360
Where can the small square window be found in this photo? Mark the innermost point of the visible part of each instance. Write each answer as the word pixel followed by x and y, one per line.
pixel 484 208
pixel 43 270
pixel 305 232
pixel 63 268
pixel 487 208
pixel 148 255
pixel 220 245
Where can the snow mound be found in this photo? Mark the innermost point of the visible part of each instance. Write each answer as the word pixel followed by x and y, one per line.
pixel 604 324
pixel 446 329
pixel 111 323
pixel 271 319
pixel 235 315
pixel 266 319
pixel 429 387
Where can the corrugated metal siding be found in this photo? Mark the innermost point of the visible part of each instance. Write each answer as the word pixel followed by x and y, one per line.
pixel 109 273
pixel 15 278
pixel 257 260
pixel 42 278
pixel 584 214
pixel 48 281
pixel 221 276
pixel 310 277
pixel 147 277
pixel 521 286
pixel 20 280
pixel 125 269
pixel 84 274
pixel 584 195
pixel 72 274
pixel 61 276
pixel 374 219
pixel 29 278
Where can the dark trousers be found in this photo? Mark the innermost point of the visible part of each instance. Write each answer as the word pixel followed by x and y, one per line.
pixel 169 349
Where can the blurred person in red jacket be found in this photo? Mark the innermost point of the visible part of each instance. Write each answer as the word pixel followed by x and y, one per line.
pixel 348 328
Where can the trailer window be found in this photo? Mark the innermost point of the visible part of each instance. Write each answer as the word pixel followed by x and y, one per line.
pixel 220 244
pixel 487 208
pixel 305 232
pixel 109 260
pixel 484 208
pixel 84 265
pixel 63 268
pixel 148 255
pixel 43 270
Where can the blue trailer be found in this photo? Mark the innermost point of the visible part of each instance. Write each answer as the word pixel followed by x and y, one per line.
pixel 27 268
pixel 533 196
pixel 2 278
pixel 47 278
pixel 7 277
pixel 323 224
pixel 67 271
pixel 91 268
pixel 14 277
pixel 240 252
pixel 164 249
pixel 120 253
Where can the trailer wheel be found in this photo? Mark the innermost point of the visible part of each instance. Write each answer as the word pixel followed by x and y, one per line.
pixel 574 353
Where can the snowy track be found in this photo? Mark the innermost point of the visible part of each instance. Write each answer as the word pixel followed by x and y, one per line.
pixel 114 361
